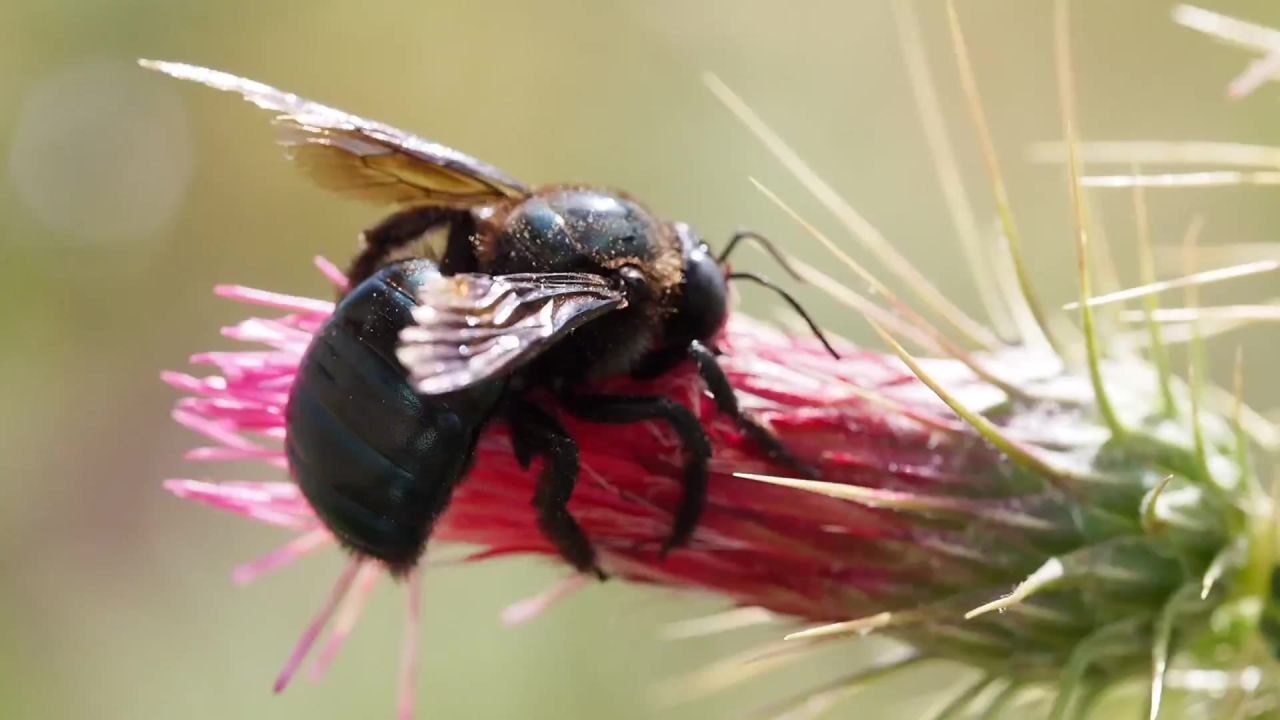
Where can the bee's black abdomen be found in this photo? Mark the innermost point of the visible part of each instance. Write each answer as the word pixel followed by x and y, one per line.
pixel 375 460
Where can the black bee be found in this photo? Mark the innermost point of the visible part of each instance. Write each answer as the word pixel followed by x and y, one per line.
pixel 544 289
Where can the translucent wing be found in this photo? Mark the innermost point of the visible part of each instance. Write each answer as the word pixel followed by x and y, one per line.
pixel 361 158
pixel 471 327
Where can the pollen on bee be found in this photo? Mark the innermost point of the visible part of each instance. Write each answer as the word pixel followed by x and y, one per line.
pixel 432 245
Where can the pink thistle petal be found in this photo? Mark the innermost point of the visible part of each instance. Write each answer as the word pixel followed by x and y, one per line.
pixel 409 651
pixel 254 500
pixel 281 556
pixel 525 610
pixel 332 272
pixel 348 614
pixel 192 384
pixel 317 624
pixel 267 332
pixel 269 491
pixel 213 429
pixel 223 454
pixel 244 414
pixel 273 299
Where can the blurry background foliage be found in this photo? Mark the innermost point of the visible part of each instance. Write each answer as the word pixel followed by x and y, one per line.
pixel 127 195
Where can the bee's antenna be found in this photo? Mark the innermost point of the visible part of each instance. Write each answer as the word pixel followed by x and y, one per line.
pixel 761 242
pixel 790 301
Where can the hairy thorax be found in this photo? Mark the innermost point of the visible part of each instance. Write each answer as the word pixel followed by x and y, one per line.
pixel 580 229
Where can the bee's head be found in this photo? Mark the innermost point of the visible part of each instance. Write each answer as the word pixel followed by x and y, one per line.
pixel 704 293
pixel 698 312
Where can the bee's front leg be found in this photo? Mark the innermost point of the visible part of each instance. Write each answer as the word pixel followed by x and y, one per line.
pixel 727 402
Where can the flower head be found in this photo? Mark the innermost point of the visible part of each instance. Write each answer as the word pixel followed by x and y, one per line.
pixel 919 520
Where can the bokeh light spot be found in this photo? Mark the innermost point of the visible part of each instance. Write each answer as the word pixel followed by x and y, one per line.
pixel 101 153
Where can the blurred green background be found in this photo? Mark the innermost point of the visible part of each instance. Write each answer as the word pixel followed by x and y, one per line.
pixel 127 195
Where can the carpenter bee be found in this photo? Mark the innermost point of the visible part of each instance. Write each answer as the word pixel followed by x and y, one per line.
pixel 535 289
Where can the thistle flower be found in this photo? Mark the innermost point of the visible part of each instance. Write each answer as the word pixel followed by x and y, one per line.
pixel 1056 519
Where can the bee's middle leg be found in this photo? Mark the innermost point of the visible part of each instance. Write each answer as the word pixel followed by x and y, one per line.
pixel 697 448
pixel 535 431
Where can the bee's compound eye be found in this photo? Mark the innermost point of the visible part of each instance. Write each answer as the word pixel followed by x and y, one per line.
pixel 632 276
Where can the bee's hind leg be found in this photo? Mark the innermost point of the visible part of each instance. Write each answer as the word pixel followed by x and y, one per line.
pixel 697 448
pixel 403 228
pixel 534 431
pixel 727 403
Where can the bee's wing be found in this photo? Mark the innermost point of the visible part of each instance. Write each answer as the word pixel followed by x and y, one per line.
pixel 472 327
pixel 361 158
